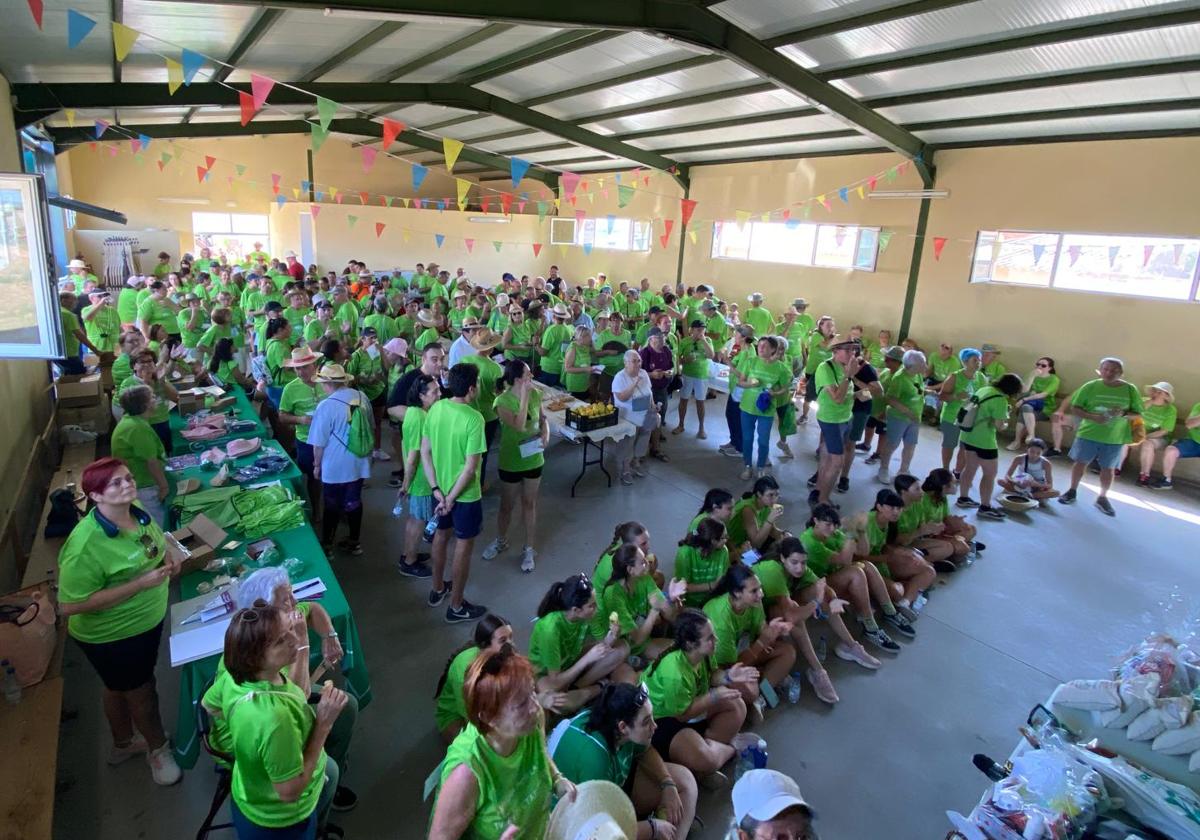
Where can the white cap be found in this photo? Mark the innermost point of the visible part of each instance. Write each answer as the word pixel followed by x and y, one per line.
pixel 764 795
pixel 290 254
pixel 135 280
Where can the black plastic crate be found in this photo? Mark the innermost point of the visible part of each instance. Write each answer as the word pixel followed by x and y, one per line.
pixel 590 424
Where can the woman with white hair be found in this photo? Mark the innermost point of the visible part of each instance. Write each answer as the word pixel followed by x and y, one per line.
pixel 634 398
pixel 904 395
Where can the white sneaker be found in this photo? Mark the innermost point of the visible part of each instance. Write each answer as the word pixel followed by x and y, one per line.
pixel 1013 447
pixel 380 455
pixel 856 653
pixel 747 474
pixel 119 755
pixel 495 548
pixel 883 477
pixel 163 767
pixel 527 559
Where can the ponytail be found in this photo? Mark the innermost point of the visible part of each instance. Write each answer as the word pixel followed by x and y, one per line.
pixel 623 560
pixel 733 580
pixel 715 498
pixel 708 532
pixel 572 593
pixel 481 638
pixel 688 626
pixel 764 484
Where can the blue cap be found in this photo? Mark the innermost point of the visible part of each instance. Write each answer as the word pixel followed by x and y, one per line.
pixel 967 353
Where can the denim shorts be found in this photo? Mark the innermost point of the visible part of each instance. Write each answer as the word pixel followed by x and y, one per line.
pixel 694 388
pixel 466 518
pixel 950 433
pixel 1188 448
pixel 834 436
pixel 420 507
pixel 903 431
pixel 1107 455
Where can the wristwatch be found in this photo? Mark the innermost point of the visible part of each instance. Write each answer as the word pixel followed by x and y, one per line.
pixel 331 635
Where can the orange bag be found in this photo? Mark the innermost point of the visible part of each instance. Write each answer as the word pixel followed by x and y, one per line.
pixel 28 633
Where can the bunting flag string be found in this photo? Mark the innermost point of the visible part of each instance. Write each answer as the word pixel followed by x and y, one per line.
pixel 391 129
pixel 79 26
pixel 124 37
pixel 451 149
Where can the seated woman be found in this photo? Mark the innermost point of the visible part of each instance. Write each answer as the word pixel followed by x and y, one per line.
pixel 754 515
pixel 793 592
pixel 497 779
pixel 627 533
pixel 491 633
pixel 938 487
pixel 1036 402
pixel 222 369
pixel 1159 417
pixel 697 706
pixel 745 636
pixel 283 782
pixel 634 597
pixel 831 556
pixel 610 740
pixel 916 529
pixel 717 504
pixel 702 560
pixel 1031 474
pixel 578 364
pixel 874 534
pixel 558 647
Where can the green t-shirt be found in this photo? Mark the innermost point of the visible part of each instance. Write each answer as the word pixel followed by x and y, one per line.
pixel 519 336
pixel 428 336
pixel 1095 396
pixel 994 371
pixel 695 567
pixel 578 382
pixel 736 526
pixel 514 789
pixel 385 326
pixel 127 304
pixel 582 755
pixel 674 683
pixel 908 389
pixel 411 433
pixel 298 319
pixel 867 533
pixel 300 398
pixel 830 375
pixel 485 391
pixel 716 329
pixel 692 355
pixel 369 375
pixel 821 552
pixel 104 328
pixel 346 316
pixel 631 605
pixel 761 319
pixel 801 327
pixel 134 442
pixel 556 642
pixel 214 334
pixel 600 578
pixel 732 628
pixel 451 705
pixel 153 311
pixel 814 345
pixel 777 583
pixel 511 439
pixel 317 330
pixel 192 337
pixel 963 384
pixel 278 352
pixel 1194 432
pixel 1048 385
pixel 455 432
pixel 613 364
pixel 91 560
pixel 941 368
pixel 160 410
pixel 993 409
pixel 771 376
pixel 269 726
pixel 70 327
pixel 405 326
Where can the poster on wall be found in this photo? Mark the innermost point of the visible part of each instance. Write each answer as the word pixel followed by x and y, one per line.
pixel 30 326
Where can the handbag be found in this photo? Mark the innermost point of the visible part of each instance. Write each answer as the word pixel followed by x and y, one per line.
pixel 28 632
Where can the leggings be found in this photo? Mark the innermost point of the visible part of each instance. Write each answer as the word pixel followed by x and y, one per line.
pixel 763 424
pixel 733 419
pixel 490 427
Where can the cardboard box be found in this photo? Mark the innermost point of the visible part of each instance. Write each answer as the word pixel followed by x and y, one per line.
pixel 189 403
pixel 79 393
pixel 94 418
pixel 200 540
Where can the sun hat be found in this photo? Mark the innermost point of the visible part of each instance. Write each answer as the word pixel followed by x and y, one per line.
pixel 755 297
pixel 333 373
pixel 800 303
pixel 895 353
pixel 501 300
pixel 1017 503
pixel 397 346
pixel 242 446
pixel 1166 387
pixel 470 323
pixel 135 281
pixel 302 356
pixel 460 294
pixel 599 811
pixel 425 318
pixel 990 348
pixel 848 342
pixel 708 304
pixel 484 339
pixel 76 264
pixel 764 795
pixel 560 311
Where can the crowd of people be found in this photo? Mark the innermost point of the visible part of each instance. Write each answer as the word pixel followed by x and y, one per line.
pixel 645 674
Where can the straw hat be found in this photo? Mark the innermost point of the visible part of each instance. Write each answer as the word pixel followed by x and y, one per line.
pixel 76 264
pixel 333 373
pixel 1167 388
pixel 560 311
pixel 1017 503
pixel 600 811
pixel 484 339
pixel 425 318
pixel 302 356
pixel 470 323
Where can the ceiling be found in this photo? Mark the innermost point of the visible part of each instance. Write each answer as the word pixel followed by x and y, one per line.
pixel 597 92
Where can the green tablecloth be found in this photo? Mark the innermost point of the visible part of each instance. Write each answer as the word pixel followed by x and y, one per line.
pixel 301 543
pixel 291 475
pixel 242 409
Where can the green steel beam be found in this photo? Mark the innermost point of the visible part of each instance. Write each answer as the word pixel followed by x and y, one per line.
pixel 434 55
pixel 928 179
pixel 687 193
pixel 116 11
pixel 857 21
pixel 345 54
pixel 1148 107
pixel 260 26
pixel 555 45
pixel 533 150
pixel 1116 24
pixel 453 122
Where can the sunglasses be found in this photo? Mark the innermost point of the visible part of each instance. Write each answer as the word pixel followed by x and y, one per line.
pixel 149 547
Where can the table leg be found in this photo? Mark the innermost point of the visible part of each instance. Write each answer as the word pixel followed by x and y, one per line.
pixel 587 442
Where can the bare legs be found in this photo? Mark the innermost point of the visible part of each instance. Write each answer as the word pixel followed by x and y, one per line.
pixel 914 572
pixel 127 710
pixel 708 753
pixel 647 796
pixel 461 569
pixel 528 492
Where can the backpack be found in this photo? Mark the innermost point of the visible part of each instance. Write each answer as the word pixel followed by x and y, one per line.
pixel 360 431
pixel 969 412
pixel 63 515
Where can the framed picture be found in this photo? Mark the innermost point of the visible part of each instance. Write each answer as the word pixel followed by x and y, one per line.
pixel 30 325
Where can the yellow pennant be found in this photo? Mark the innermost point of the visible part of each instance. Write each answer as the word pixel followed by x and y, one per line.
pixel 296 193
pixel 70 115
pixel 860 192
pixel 766 217
pixel 556 203
pixel 742 217
pixel 692 236
pixel 333 191
pixel 451 149
pixel 405 200
pixel 123 39
pixel 406 235
pixel 174 75
pixel 464 187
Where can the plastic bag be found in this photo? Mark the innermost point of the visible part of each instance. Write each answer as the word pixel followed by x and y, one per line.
pixel 1137 695
pixel 1164 806
pixel 1158 654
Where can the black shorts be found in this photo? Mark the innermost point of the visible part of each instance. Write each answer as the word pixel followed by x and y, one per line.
pixel 668 728
pixel 520 475
pixel 127 663
pixel 810 387
pixel 877 424
pixel 983 454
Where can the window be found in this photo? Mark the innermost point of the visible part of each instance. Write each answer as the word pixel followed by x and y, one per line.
pixel 230 236
pixel 796 243
pixel 1143 266
pixel 614 235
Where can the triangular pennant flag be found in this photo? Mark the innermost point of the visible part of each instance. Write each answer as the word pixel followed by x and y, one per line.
pixel 144 140
pixel 192 62
pixel 484 201
pixel 470 243
pixel 200 173
pixel 318 195
pixel 135 145
pixel 404 201
pixel 742 216
pixel 101 127
pixel 391 128
pixel 692 236
pixel 939 242
pixel 368 157
pixel 246 103
pixel 69 113
pixel 497 244
pixel 112 152
pixel 506 200
pixel 537 249
pixel 304 185
pixel 387 200
pixel 165 158
pixel 326 108
pixel 260 89
pixel 174 75
pixel 580 216
pixel 885 239
pixel 871 182
pixel 520 206
pixel 542 208
pixel 591 198
pixel 209 160
pixel 319 136
pixel 240 168
pixel 36 9
pixel 441 205
pixel 1038 250
pixel 666 237
pixel 859 190
pixel 686 207
pixel 379 226
pixel 587 248
pixel 1147 253
pixel 315 209
pixel 295 194
pixel 1113 251
pixel 418 175
pixel 405 234
pixel 161 164
pixel 611 220
pixel 517 167
pixel 451 149
pixel 336 196
pixel 765 217
pixel 839 235
pixel 624 194
pixel 583 186
pixel 93 147
pixel 363 197
pixel 569 181
pixel 439 239
pixel 844 194
pixel 1074 252
pixel 79 26
pixel 890 174
pixel 573 199
pixel 1177 250
pixel 463 187
pixel 123 39
pixel 280 200
pixel 351 220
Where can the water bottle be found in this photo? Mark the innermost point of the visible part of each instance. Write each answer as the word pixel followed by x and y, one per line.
pixel 398 508
pixel 12 688
pixel 753 757
pixel 430 529
pixel 822 648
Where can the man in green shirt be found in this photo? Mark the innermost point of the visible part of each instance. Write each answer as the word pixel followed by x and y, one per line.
pixel 73 336
pixel 696 353
pixel 992 367
pixel 1104 405
pixel 758 316
pixel 835 404
pixel 101 322
pixel 157 309
pixel 1188 447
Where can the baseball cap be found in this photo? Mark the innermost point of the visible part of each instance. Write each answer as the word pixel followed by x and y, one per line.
pixel 654 331
pixel 764 795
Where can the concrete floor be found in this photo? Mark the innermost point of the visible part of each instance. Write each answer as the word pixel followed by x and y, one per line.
pixel 1057 596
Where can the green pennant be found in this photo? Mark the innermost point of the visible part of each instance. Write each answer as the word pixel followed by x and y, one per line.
pixel 388 199
pixel 166 157
pixel 885 238
pixel 542 208
pixel 241 169
pixel 319 136
pixel 139 158
pixel 497 244
pixel 807 211
pixel 326 108
pixel 624 194
pixel 890 174
pixel 351 220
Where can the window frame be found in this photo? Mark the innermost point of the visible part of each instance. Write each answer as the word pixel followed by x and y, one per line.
pixel 1192 298
pixel 265 238
pixel 855 230
pixel 644 226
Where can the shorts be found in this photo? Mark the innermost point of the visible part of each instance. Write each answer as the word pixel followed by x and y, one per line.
pixel 858 422
pixel 880 426
pixel 127 663
pixel 517 476
pixel 834 436
pixel 1188 448
pixel 668 728
pixel 420 507
pixel 466 518
pixel 981 453
pixel 903 431
pixel 950 434
pixel 1107 455
pixel 810 386
pixel 304 457
pixel 694 388
pixel 344 497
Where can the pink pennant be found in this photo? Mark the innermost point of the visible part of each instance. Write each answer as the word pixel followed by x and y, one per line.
pixel 520 206
pixel 939 242
pixel 572 199
pixel 315 209
pixel 484 201
pixel 580 216
pixel 686 207
pixel 470 243
pixel 368 157
pixel 871 182
pixel 260 87
pixel 338 198
pixel 135 145
pixel 161 164
pixel 569 181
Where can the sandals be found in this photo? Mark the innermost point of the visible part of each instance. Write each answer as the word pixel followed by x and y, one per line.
pixel 660 455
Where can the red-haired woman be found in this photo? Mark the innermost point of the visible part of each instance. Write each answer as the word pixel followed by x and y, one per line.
pixel 113 573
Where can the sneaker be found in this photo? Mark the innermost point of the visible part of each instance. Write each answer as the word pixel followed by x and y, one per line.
pixel 862 447
pixel 467 612
pixel 396 481
pixel 380 455
pixel 1053 453
pixel 527 559
pixel 1143 480
pixel 1105 506
pixel 747 474
pixel 872 459
pixel 436 596
pixel 910 615
pixel 812 481
pixel 989 512
pixel 351 547
pixel 119 755
pixel 843 485
pixel 966 502
pixel 1013 447
pixel 1158 484
pixel 814 498
pixel 627 479
pixel 857 654
pixel 344 799
pixel 901 625
pixel 883 476
pixel 979 546
pixel 1067 498
pixel 495 548
pixel 822 685
pixel 163 767
pixel 730 450
pixel 762 471
pixel 637 469
pixel 791 688
pixel 785 451
pixel 881 640
pixel 413 570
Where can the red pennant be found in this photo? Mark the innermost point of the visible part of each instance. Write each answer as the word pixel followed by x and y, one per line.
pixel 200 173
pixel 246 103
pixel 470 243
pixel 572 200
pixel 362 196
pixel 646 180
pixel 209 160
pixel 35 8
pixel 537 248
pixel 787 214
pixel 383 201
pixel 686 208
pixel 161 164
pixel 666 237
pixel 871 182
pixel 939 242
pixel 315 209
pixel 379 226
pixel 484 201
pixel 95 148
pixel 900 169
pixel 506 200
pixel 391 128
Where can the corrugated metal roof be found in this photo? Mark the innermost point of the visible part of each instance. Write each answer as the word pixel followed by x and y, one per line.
pixel 766 18
pixel 787 129
pixel 1087 125
pixel 745 105
pixel 798 148
pixel 460 60
pixel 414 40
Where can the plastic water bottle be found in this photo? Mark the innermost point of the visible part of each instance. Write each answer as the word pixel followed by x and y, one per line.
pixel 12 688
pixel 430 529
pixel 398 508
pixel 751 758
pixel 822 648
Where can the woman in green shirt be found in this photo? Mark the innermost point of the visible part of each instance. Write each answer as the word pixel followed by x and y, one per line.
pixel 904 394
pixel 702 560
pixel 918 528
pixel 717 504
pixel 135 442
pixel 1159 417
pixel 633 596
pixel 518 340
pixel 1037 401
pixel 368 365
pixel 278 350
pixel 146 372
pixel 497 775
pixel 568 667
pixel 816 350
pixel 422 394
pixel 938 486
pixel 577 364
pixel 955 390
pixel 980 446
pixel 764 379
pixel 112 588
pixel 491 634
pixel 752 522
pixel 627 533
pixel 223 370
pixel 908 573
